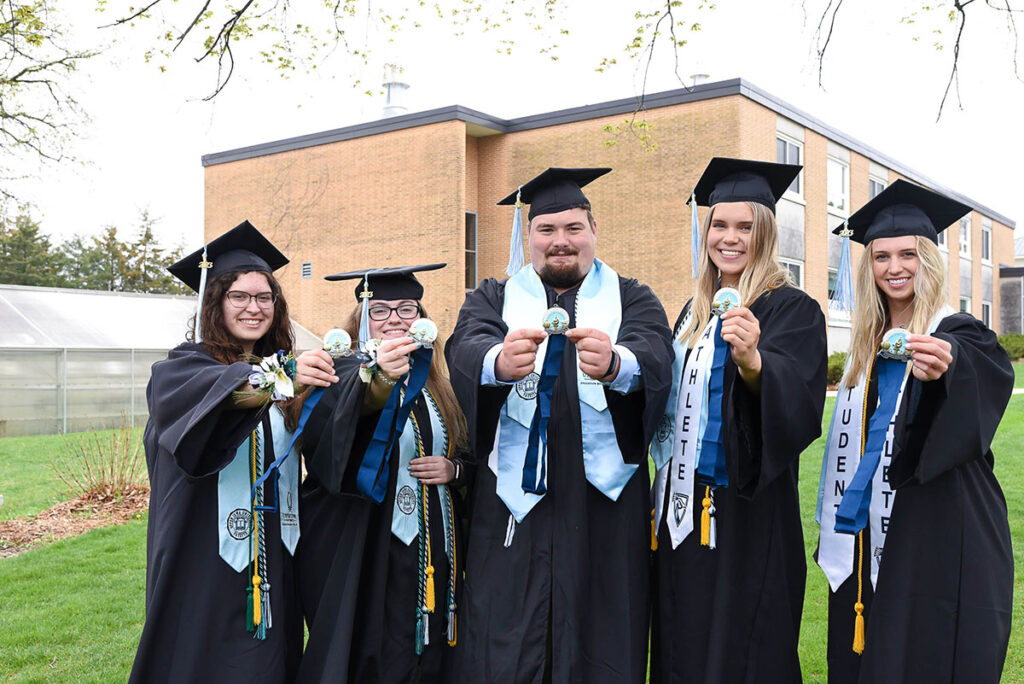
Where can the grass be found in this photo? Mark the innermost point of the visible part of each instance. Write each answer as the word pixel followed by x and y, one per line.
pixel 73 611
pixel 1018 371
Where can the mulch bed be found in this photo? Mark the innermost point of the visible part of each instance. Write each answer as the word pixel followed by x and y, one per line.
pixel 69 519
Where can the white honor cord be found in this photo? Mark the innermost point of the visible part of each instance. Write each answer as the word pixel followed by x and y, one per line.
pixel 510 531
pixel 203 268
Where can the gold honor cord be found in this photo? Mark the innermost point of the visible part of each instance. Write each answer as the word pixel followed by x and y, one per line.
pixel 858 607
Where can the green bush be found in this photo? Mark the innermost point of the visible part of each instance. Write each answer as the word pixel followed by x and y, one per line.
pixel 836 362
pixel 1013 344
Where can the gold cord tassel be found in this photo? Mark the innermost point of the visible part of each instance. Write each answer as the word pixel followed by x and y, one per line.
pixel 654 533
pixel 257 616
pixel 705 519
pixel 429 598
pixel 858 623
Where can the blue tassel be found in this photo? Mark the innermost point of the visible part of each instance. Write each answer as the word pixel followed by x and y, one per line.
pixel 364 318
pixel 204 266
pixel 694 237
pixel 842 300
pixel 516 258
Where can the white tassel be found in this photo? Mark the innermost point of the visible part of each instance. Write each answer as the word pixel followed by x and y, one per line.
pixel 510 531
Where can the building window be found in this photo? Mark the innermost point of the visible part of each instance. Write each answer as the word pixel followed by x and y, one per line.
pixel 986 313
pixel 965 305
pixel 789 151
pixel 838 186
pixel 833 282
pixel 965 236
pixel 875 186
pixel 307 270
pixel 986 240
pixel 470 250
pixel 942 240
pixel 795 269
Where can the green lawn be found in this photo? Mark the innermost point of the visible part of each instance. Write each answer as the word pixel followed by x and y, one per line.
pixel 72 611
pixel 1018 370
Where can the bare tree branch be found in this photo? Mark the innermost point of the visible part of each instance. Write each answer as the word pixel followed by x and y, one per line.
pixel 828 36
pixel 953 74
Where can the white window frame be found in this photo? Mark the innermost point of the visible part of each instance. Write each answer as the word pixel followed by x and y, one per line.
pixel 786 262
pixel 965 241
pixel 986 232
pixel 307 270
pixel 875 179
pixel 986 313
pixel 472 253
pixel 942 240
pixel 843 211
pixel 800 149
pixel 835 317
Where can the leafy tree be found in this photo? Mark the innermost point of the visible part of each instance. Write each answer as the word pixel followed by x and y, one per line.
pixel 25 253
pixel 147 262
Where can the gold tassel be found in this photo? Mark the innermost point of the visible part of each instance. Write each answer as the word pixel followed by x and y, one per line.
pixel 654 533
pixel 429 598
pixel 257 616
pixel 705 519
pixel 858 629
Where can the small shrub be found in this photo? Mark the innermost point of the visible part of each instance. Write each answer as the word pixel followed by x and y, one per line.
pixel 103 465
pixel 1013 343
pixel 836 363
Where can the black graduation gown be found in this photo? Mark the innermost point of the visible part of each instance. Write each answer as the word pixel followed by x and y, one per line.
pixel 732 614
pixel 195 602
pixel 941 610
pixel 358 582
pixel 571 592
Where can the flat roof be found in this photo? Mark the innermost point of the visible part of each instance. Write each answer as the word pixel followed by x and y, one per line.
pixel 480 124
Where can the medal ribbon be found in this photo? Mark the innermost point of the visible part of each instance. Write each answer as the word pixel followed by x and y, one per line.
pixel 307 408
pixel 535 482
pixel 372 478
pixel 852 515
pixel 711 468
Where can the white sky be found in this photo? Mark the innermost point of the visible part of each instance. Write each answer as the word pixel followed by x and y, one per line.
pixel 149 129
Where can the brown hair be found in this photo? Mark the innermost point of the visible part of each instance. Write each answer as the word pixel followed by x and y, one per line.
pixel 437 382
pixel 216 338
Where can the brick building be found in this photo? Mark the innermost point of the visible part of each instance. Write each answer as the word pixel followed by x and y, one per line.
pixel 422 187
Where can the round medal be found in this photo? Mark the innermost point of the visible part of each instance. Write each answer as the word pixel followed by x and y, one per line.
pixel 894 345
pixel 726 299
pixel 556 321
pixel 424 331
pixel 338 343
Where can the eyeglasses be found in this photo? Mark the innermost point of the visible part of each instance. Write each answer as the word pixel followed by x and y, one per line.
pixel 379 312
pixel 240 300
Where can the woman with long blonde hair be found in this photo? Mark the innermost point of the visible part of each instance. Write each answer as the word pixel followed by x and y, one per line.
pixel 385 448
pixel 914 537
pixel 747 398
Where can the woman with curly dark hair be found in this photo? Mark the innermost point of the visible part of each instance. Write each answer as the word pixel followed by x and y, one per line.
pixel 220 594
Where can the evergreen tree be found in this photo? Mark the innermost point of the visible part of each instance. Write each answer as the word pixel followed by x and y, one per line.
pixel 25 256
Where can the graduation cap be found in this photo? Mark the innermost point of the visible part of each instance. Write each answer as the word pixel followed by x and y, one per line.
pixel 554 190
pixel 743 180
pixel 395 282
pixel 904 208
pixel 243 248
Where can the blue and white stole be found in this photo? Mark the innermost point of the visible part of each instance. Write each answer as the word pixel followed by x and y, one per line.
pixel 598 305
pixel 405 515
pixel 234 496
pixel 841 467
pixel 685 422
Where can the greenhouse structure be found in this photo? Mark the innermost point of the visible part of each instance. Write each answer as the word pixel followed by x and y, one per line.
pixel 76 360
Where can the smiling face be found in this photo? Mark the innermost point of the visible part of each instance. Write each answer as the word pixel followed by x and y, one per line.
pixel 562 247
pixel 393 326
pixel 728 241
pixel 247 324
pixel 894 263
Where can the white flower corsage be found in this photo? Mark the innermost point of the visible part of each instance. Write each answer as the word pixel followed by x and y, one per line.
pixel 273 376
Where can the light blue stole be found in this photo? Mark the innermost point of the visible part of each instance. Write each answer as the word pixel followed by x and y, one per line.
pixel 598 305
pixel 234 507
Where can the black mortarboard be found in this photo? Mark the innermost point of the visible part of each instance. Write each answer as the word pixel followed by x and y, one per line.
pixel 243 248
pixel 743 180
pixel 396 282
pixel 904 208
pixel 555 190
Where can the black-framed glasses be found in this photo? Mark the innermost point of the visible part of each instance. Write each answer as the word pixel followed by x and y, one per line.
pixel 240 300
pixel 380 312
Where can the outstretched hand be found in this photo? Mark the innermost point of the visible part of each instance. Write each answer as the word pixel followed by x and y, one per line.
pixel 931 356
pixel 518 354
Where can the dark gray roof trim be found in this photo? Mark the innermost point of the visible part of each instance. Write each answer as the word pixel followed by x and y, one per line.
pixel 1011 271
pixel 705 91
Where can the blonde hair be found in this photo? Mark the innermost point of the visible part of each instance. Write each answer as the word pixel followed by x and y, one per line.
pixel 871 310
pixel 762 273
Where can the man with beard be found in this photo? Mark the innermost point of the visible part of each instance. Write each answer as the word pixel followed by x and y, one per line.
pixel 562 371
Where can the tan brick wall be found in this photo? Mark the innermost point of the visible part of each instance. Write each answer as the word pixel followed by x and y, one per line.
pixel 1002 254
pixel 816 217
pixel 391 199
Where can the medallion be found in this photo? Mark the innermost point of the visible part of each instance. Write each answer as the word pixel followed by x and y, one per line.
pixel 726 299
pixel 894 345
pixel 338 343
pixel 556 321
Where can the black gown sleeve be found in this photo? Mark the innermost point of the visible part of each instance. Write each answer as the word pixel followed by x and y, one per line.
pixel 644 331
pixel 952 420
pixel 478 328
pixel 189 397
pixel 776 424
pixel 336 431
